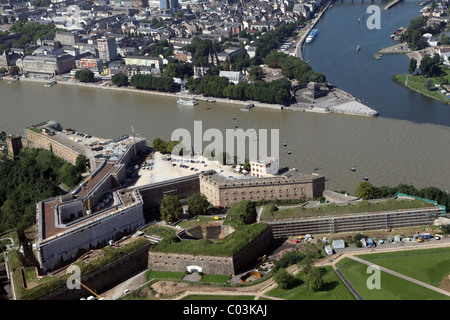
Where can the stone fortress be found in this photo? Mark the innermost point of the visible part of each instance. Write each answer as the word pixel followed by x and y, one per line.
pixel 109 205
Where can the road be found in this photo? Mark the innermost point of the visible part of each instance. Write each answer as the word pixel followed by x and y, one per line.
pixel 131 283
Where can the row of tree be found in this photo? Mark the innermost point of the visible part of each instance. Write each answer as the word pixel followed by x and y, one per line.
pixel 149 82
pixel 293 67
pixel 366 190
pixel 277 91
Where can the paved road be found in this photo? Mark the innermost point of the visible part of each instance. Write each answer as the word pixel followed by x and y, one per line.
pixel 132 283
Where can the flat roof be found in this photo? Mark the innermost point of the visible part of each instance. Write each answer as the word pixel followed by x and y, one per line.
pixel 50 229
pixel 288 177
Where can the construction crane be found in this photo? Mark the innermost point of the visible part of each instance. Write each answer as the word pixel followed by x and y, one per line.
pixel 91 291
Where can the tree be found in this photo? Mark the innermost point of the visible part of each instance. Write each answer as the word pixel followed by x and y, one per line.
pixel 255 73
pixel 159 145
pixel 84 75
pixel 314 279
pixel 429 66
pixel 365 190
pixel 120 79
pixel 197 204
pixel 81 163
pixel 429 85
pixel 14 70
pixel 284 279
pixel 306 264
pixel 171 209
pixel 412 65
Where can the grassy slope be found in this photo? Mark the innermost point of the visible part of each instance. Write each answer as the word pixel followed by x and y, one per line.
pixel 428 265
pixel 333 289
pixel 392 288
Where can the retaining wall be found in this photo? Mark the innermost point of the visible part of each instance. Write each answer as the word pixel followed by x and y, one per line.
pixel 178 262
pixel 105 277
pixel 356 222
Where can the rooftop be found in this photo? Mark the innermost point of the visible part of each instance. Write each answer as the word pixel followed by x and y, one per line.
pixel 291 176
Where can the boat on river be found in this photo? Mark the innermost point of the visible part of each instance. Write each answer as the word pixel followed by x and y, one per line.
pixel 248 107
pixel 50 84
pixel 187 102
pixel 312 35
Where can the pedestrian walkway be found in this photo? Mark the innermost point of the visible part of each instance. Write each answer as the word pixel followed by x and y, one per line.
pixel 347 283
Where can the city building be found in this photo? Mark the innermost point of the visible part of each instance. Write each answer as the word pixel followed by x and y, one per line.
pixel 93 64
pixel 266 167
pixel 223 191
pixel 168 4
pixel 232 76
pixel 107 50
pixel 67 38
pixel 46 64
pixel 144 61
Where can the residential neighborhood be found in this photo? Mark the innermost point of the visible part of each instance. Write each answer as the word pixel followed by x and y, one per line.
pixel 103 36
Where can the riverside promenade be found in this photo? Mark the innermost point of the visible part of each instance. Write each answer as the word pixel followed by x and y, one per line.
pixel 339 102
pixel 313 23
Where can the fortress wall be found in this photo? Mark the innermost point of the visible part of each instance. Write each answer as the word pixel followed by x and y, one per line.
pixel 184 187
pixel 68 247
pixel 38 140
pixel 163 261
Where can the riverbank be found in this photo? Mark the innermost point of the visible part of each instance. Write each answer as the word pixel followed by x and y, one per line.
pixel 398 48
pixel 299 47
pixel 417 84
pixel 346 105
pixel 391 4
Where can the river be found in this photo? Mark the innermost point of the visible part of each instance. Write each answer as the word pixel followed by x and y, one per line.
pixel 391 149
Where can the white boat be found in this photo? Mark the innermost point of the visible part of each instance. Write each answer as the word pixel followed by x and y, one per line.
pixel 312 35
pixel 187 102
pixel 357 48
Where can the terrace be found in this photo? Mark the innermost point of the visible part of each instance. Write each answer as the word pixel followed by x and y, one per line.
pixel 269 213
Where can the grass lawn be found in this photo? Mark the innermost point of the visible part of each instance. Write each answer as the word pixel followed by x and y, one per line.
pixel 215 278
pixel 333 289
pixel 333 209
pixel 392 288
pixel 161 231
pixel 187 224
pixel 167 275
pixel 428 265
pixel 417 83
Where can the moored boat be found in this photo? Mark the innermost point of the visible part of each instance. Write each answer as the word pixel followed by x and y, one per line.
pixel 312 35
pixel 187 102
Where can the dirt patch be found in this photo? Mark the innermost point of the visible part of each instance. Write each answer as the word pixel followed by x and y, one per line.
pixel 445 284
pixel 167 287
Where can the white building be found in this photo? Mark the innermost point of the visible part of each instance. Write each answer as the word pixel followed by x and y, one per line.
pixel 232 76
pixel 338 244
pixel 264 167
